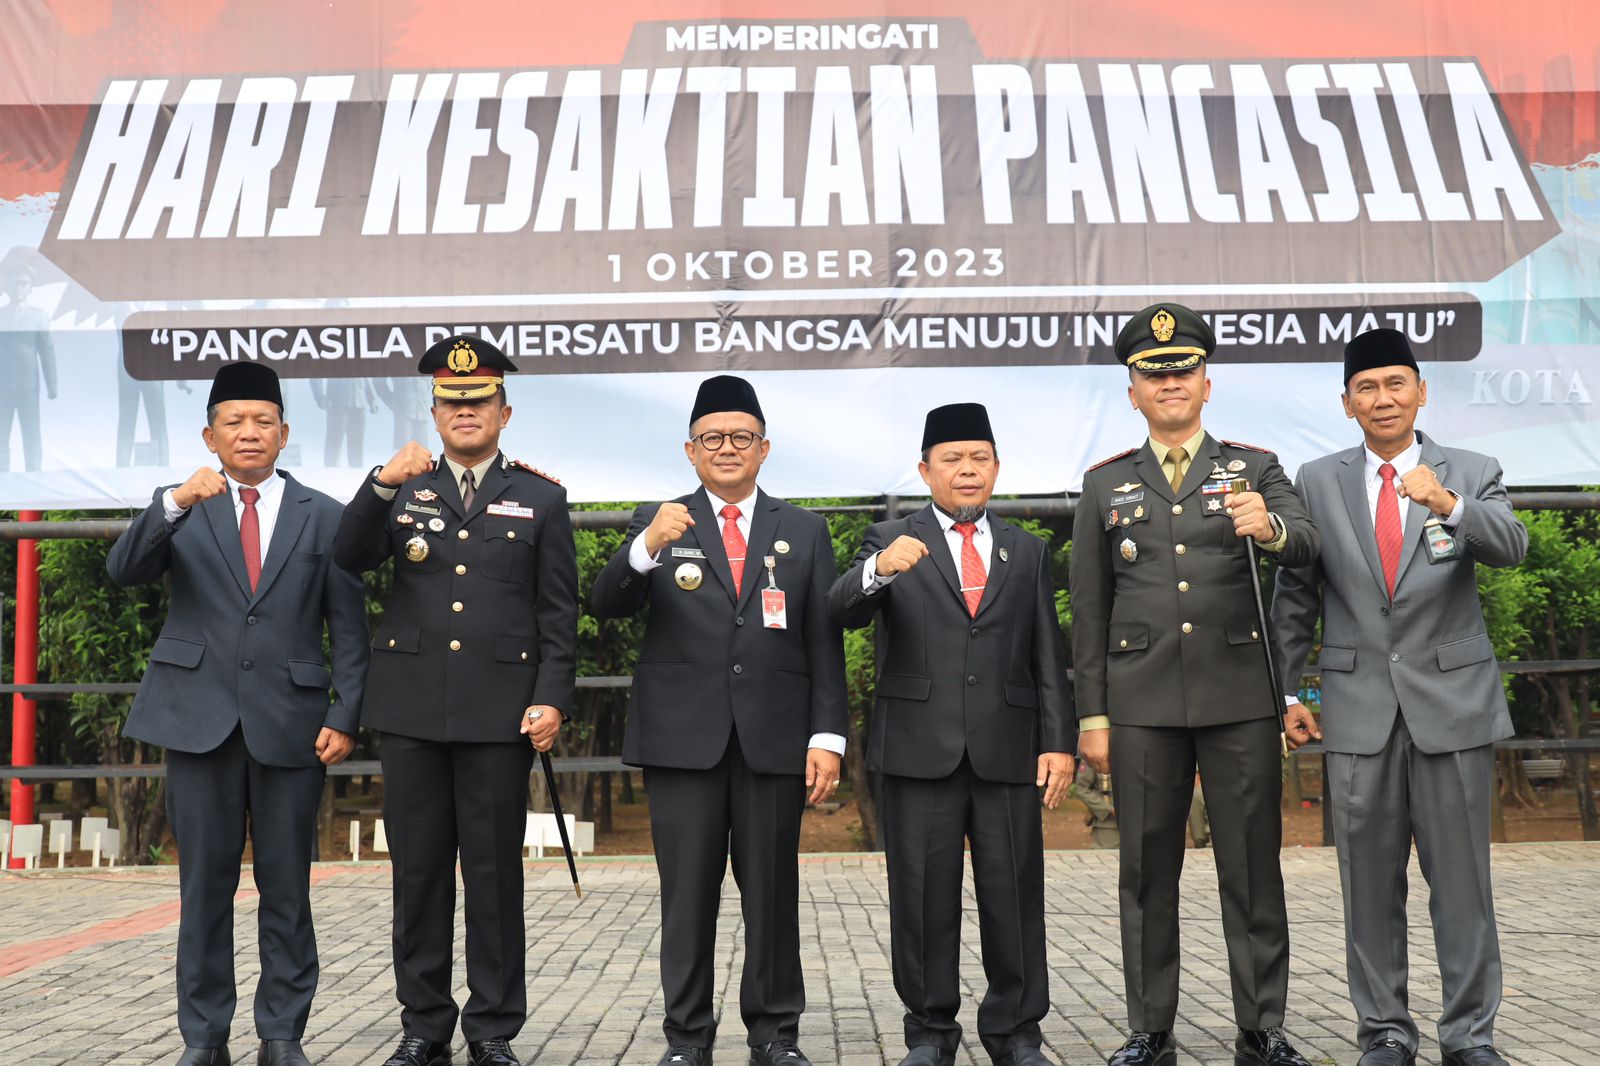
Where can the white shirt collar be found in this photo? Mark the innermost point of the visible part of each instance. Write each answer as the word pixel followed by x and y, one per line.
pixel 1405 462
pixel 747 506
pixel 947 522
pixel 270 489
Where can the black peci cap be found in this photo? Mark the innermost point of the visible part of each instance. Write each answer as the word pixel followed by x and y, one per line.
pixel 956 421
pixel 465 368
pixel 1376 348
pixel 1164 337
pixel 245 381
pixel 725 393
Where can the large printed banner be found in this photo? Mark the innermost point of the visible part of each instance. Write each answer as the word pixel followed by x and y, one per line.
pixel 868 211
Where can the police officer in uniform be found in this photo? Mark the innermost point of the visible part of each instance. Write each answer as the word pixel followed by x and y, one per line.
pixel 476 657
pixel 1171 677
pixel 738 709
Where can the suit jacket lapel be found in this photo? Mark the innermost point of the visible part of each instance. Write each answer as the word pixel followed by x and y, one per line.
pixel 292 515
pixel 1005 537
pixel 929 531
pixel 1150 472
pixel 763 531
pixel 446 486
pixel 225 527
pixel 707 532
pixel 1416 514
pixel 1210 454
pixel 495 482
pixel 1353 487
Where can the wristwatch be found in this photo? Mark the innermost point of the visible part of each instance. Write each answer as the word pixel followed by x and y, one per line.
pixel 373 477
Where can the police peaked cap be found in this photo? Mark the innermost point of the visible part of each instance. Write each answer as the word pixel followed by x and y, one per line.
pixel 1376 348
pixel 245 381
pixel 956 421
pixel 465 368
pixel 1164 337
pixel 726 393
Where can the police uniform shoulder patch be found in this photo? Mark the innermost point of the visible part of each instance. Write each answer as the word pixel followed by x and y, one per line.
pixel 1114 458
pixel 520 465
pixel 1247 447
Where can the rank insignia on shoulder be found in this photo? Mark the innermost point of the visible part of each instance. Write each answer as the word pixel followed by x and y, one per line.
pixel 520 465
pixel 1246 447
pixel 1114 458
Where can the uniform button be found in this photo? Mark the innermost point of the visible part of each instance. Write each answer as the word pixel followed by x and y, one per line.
pixel 1394 656
pixel 738 669
pixel 1183 586
pixel 971 680
pixel 1254 635
pixel 511 534
pixel 455 645
pixel 461 534
pixel 1188 627
pixel 251 620
pixel 456 606
pixel 248 664
pixel 1177 508
pixel 974 630
pixel 1123 644
pixel 524 656
pixel 1180 549
pixel 1384 611
pixel 391 642
pixel 461 568
pixel 739 621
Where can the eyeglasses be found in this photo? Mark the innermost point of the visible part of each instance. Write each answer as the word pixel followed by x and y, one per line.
pixel 740 439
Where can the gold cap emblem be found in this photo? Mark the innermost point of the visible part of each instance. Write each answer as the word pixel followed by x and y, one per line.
pixel 1163 325
pixel 463 360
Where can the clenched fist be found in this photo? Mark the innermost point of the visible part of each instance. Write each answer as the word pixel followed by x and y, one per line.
pixel 900 556
pixel 1250 518
pixel 407 463
pixel 667 527
pixel 1422 484
pixel 202 485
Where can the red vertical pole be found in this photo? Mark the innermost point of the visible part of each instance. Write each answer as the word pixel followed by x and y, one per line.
pixel 24 732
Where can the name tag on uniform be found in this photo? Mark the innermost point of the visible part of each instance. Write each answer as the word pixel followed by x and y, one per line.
pixel 421 509
pixel 510 510
pixel 688 553
pixel 1442 546
pixel 774 609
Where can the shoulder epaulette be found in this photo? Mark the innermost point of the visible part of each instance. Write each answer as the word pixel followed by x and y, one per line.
pixel 1247 447
pixel 520 465
pixel 1114 458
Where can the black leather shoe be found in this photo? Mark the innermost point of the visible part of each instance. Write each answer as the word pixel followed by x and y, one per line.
pixel 205 1056
pixel 778 1053
pixel 491 1053
pixel 1474 1056
pixel 686 1055
pixel 1146 1049
pixel 1388 1053
pixel 929 1055
pixel 1026 1055
pixel 415 1051
pixel 281 1053
pixel 1269 1046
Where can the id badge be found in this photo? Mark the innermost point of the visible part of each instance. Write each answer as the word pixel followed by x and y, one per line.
pixel 1442 547
pixel 774 609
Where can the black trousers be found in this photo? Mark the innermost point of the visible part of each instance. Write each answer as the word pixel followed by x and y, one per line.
pixel 211 800
pixel 698 818
pixel 1152 776
pixel 441 800
pixel 926 825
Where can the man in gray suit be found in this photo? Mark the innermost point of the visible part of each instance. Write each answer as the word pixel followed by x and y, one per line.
pixel 237 692
pixel 1411 696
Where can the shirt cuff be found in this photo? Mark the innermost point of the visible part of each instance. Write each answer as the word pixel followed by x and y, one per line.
pixel 871 580
pixel 1290 701
pixel 170 508
pixel 641 560
pixel 828 742
pixel 1453 519
pixel 1094 721
pixel 385 492
pixel 1275 545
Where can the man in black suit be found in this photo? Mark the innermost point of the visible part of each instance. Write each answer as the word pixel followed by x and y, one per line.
pixel 973 715
pixel 476 657
pixel 237 692
pixel 738 698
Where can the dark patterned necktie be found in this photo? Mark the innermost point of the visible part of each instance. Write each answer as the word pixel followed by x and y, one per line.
pixel 469 486
pixel 250 534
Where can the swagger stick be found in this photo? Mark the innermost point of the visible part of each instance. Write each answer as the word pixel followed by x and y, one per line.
pixel 561 821
pixel 1237 486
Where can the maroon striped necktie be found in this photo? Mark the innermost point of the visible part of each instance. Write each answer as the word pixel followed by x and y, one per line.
pixel 250 534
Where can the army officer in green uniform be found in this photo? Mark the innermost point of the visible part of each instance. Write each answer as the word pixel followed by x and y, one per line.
pixel 473 668
pixel 1171 676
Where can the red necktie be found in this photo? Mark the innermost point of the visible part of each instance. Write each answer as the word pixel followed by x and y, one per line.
pixel 973 577
pixel 733 544
pixel 1387 526
pixel 250 535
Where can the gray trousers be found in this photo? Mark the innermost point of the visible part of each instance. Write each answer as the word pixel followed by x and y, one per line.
pixel 1380 802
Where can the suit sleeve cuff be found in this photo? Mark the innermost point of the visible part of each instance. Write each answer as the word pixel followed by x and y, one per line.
pixel 828 742
pixel 639 559
pixel 871 580
pixel 1275 545
pixel 1095 721
pixel 170 508
pixel 1453 519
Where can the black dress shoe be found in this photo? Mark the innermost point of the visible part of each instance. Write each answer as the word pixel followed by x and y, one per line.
pixel 281 1053
pixel 415 1051
pixel 686 1055
pixel 1269 1046
pixel 1474 1056
pixel 1026 1055
pixel 491 1053
pixel 929 1055
pixel 778 1053
pixel 1146 1049
pixel 205 1056
pixel 1388 1053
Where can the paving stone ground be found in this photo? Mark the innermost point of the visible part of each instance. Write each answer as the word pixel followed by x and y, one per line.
pixel 86 964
